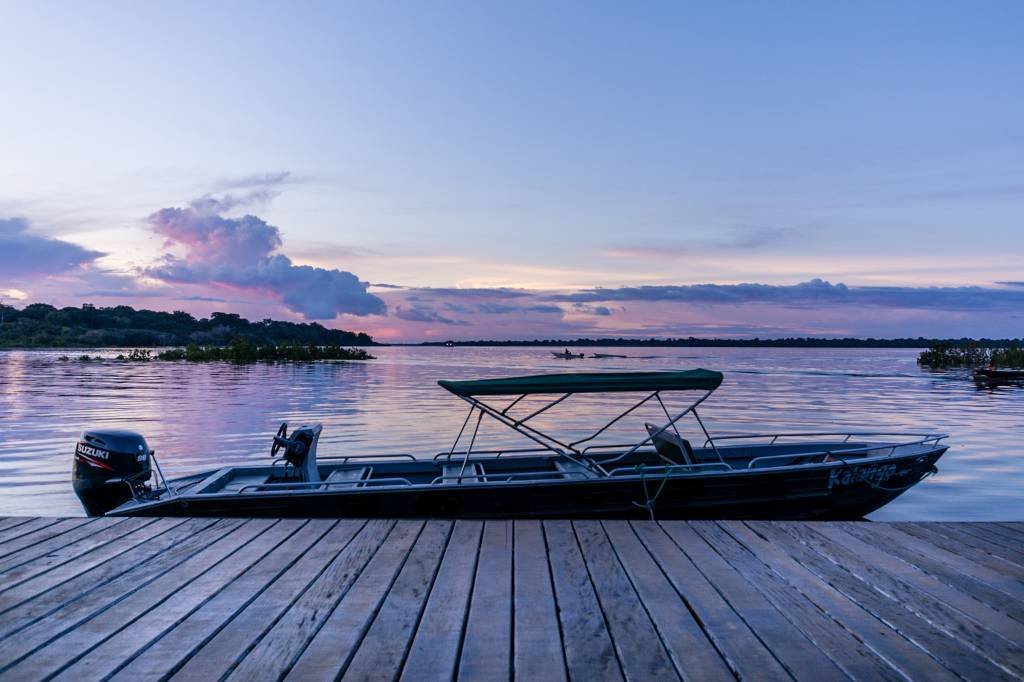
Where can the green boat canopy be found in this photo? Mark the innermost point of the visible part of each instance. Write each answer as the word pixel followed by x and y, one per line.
pixel 589 382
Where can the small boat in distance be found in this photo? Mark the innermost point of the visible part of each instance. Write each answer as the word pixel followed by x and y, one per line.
pixel 663 475
pixel 568 355
pixel 604 356
pixel 992 375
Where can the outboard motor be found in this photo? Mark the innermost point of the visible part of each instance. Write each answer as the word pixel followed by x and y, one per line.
pixel 110 466
pixel 299 449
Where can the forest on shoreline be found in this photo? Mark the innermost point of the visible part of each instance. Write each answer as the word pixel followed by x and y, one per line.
pixel 43 326
pixel 695 342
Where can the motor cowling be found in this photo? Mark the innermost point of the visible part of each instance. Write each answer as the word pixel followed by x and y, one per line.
pixel 109 465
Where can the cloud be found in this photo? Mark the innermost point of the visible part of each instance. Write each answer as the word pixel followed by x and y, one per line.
pixel 25 254
pixel 601 310
pixel 735 239
pixel 421 314
pixel 262 180
pixel 240 253
pixel 813 293
pixel 203 299
pixel 492 308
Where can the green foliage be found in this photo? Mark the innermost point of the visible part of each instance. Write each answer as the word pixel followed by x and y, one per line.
pixel 136 355
pixel 41 325
pixel 943 354
pixel 1011 357
pixel 242 351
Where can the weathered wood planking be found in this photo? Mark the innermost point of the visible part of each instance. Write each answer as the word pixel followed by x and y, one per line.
pixel 157 599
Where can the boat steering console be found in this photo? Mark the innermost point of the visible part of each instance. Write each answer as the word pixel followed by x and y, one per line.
pixel 299 449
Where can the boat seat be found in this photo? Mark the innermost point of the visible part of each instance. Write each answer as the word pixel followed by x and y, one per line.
pixel 450 472
pixel 572 470
pixel 349 475
pixel 671 446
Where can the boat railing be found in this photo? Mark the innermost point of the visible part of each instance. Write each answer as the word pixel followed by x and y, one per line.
pixel 670 469
pixel 319 485
pixel 346 458
pixel 398 481
pixel 838 454
pixel 916 438
pixel 493 454
pixel 522 475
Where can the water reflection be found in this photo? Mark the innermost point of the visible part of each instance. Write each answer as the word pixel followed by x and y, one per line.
pixel 199 416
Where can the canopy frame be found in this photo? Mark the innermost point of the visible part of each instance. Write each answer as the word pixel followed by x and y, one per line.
pixel 570 451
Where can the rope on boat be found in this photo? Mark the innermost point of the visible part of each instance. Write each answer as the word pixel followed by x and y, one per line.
pixel 649 502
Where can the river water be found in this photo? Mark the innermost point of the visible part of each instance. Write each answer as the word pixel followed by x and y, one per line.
pixel 201 416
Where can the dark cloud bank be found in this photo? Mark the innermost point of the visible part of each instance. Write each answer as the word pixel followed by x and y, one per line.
pixel 23 254
pixel 1005 297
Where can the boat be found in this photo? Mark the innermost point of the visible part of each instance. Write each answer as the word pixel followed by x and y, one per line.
pixel 661 475
pixel 995 376
pixel 567 355
pixel 605 356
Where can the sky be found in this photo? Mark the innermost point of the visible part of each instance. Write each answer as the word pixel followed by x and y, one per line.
pixel 433 170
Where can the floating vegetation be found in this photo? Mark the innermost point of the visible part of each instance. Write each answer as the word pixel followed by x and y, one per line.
pixel 136 355
pixel 243 351
pixel 943 354
pixel 1011 357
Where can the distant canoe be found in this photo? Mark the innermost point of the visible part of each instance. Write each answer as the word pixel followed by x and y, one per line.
pixel 995 375
pixel 602 356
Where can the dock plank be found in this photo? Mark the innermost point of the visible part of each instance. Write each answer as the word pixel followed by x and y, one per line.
pixel 22 530
pixel 322 599
pixel 889 643
pixel 67 617
pixel 270 636
pixel 132 638
pixel 974 622
pixel 8 522
pixel 487 644
pixel 333 646
pixel 871 568
pixel 170 649
pixel 32 599
pixel 145 614
pixel 845 649
pixel 954 540
pixel 47 555
pixel 382 651
pixel 788 644
pixel 641 652
pixel 948 651
pixel 30 541
pixel 995 542
pixel 434 653
pixel 589 651
pixel 745 654
pixel 537 651
pixel 999 590
pixel 693 654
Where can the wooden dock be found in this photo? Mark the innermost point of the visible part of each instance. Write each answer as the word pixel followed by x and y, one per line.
pixel 208 599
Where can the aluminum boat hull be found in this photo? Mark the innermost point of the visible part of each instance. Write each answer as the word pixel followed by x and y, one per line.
pixel 833 490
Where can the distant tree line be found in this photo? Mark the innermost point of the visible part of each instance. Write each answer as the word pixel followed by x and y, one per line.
pixel 692 341
pixel 41 325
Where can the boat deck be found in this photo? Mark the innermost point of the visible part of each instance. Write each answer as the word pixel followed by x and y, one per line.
pixel 142 598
